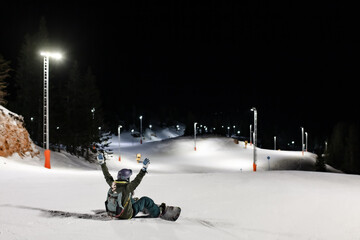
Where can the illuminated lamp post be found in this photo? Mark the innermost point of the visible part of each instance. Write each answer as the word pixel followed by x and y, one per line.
pixel 255 136
pixel 274 142
pixel 46 56
pixel 140 129
pixel 302 141
pixel 119 141
pixel 195 136
pixel 250 134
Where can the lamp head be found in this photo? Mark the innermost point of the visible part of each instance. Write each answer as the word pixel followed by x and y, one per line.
pixel 55 55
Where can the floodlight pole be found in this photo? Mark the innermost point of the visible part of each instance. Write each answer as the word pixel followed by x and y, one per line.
pixel 250 134
pixel 274 142
pixel 140 129
pixel 46 103
pixel 119 142
pixel 195 136
pixel 302 141
pixel 306 141
pixel 255 136
pixel 46 56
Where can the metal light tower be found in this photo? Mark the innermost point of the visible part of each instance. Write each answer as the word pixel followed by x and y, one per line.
pixel 119 141
pixel 46 56
pixel 274 142
pixel 251 134
pixel 306 141
pixel 140 129
pixel 195 136
pixel 93 113
pixel 302 141
pixel 255 136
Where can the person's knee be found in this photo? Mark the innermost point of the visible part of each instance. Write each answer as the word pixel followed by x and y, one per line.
pixel 150 205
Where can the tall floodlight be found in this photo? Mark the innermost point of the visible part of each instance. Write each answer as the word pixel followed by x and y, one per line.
pixel 326 147
pixel 140 129
pixel 255 136
pixel 302 141
pixel 119 141
pixel 93 113
pixel 195 136
pixel 46 56
pixel 250 134
pixel 306 141
pixel 274 142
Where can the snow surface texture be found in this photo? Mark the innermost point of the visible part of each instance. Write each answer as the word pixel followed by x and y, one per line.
pixel 220 196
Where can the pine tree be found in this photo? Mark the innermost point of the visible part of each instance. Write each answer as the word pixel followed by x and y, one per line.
pixel 343 151
pixel 4 73
pixel 82 114
pixel 320 162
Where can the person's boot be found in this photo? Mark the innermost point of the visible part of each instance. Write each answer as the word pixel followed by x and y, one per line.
pixel 162 209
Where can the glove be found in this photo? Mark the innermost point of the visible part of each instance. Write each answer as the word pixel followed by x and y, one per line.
pixel 146 163
pixel 100 159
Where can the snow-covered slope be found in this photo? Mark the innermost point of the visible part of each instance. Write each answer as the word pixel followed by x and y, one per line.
pixel 220 196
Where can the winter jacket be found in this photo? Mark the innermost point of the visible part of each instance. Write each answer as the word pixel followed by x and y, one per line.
pixel 125 187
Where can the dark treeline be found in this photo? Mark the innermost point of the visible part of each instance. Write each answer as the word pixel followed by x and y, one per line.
pixel 343 150
pixel 75 112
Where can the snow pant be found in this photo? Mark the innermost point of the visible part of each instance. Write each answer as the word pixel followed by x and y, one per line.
pixel 148 203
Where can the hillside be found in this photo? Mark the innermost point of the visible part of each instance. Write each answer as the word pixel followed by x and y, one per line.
pixel 220 196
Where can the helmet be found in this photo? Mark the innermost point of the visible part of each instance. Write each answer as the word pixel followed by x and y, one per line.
pixel 124 174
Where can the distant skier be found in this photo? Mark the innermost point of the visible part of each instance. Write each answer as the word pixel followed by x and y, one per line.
pixel 120 202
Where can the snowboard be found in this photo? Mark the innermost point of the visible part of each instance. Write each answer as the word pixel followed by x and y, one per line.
pixel 171 213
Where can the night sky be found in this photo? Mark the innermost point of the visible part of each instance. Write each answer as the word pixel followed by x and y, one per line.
pixel 294 61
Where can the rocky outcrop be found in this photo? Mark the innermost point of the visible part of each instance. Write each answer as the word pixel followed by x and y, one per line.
pixel 14 138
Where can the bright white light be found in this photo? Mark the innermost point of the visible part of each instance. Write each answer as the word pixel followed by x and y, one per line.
pixel 55 55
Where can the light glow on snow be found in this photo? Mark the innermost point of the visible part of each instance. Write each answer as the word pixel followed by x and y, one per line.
pixel 220 196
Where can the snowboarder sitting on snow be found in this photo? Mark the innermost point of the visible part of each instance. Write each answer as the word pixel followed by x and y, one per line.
pixel 120 202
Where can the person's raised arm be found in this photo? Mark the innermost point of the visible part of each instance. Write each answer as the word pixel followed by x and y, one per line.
pixel 134 183
pixel 109 179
